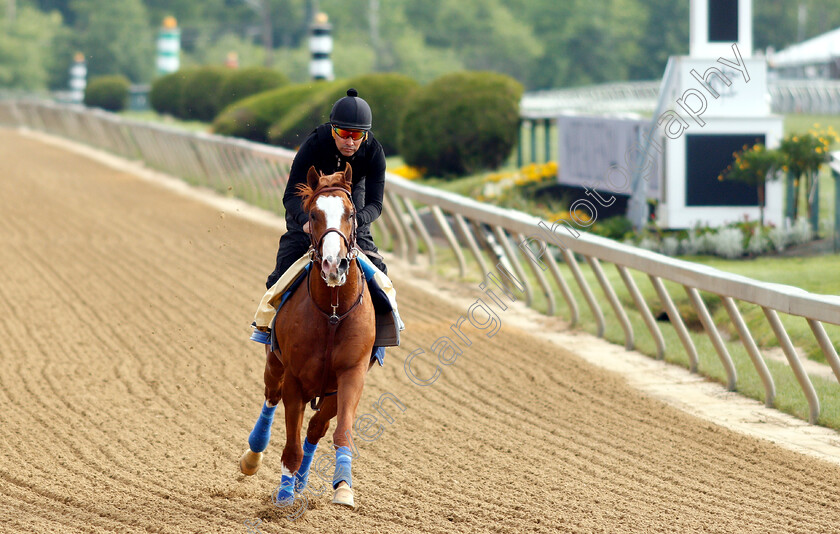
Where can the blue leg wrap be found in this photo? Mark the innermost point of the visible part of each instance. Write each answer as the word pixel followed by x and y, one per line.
pixel 343 463
pixel 258 440
pixel 285 491
pixel 302 474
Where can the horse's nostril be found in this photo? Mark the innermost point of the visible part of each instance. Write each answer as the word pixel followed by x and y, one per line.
pixel 343 265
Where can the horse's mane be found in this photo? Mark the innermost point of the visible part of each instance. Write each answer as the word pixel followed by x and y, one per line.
pixel 307 194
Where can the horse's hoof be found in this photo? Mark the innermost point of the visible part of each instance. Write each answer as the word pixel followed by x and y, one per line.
pixel 344 495
pixel 284 495
pixel 250 462
pixel 283 498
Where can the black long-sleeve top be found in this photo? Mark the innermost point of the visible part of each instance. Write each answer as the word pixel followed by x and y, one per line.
pixel 368 164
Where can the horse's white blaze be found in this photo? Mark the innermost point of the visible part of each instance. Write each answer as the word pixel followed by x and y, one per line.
pixel 333 208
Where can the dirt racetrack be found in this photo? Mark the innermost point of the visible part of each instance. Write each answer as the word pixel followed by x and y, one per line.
pixel 128 388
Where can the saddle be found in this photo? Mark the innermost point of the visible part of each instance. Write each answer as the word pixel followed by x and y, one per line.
pixel 383 296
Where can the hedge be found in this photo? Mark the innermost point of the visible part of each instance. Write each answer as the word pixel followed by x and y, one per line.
pixel 461 123
pixel 165 93
pixel 107 92
pixel 201 93
pixel 251 117
pixel 249 81
pixel 386 94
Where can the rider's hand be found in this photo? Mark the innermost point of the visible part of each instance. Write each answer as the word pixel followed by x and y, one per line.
pixel 306 227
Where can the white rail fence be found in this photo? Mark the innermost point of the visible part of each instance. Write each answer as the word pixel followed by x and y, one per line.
pixel 786 96
pixel 495 238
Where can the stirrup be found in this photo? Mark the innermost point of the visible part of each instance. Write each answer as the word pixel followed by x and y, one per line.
pixel 261 336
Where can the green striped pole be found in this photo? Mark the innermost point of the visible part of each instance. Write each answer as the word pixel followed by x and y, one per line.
pixel 78 78
pixel 169 47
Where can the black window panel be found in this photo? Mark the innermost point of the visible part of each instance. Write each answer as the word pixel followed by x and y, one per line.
pixel 706 158
pixel 723 20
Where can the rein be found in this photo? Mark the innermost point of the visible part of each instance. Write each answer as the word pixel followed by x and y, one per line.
pixel 333 319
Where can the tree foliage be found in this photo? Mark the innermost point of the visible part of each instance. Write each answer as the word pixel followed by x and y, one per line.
pixel 541 43
pixel 115 37
pixel 25 46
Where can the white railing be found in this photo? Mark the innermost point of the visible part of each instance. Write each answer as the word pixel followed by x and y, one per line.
pixel 786 96
pixel 413 213
pixel 805 96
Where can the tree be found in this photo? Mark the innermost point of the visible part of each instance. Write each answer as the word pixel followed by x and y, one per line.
pixel 115 38
pixel 776 22
pixel 484 34
pixel 665 34
pixel 25 48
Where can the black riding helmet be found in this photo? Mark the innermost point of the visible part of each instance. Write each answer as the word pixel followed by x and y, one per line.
pixel 351 112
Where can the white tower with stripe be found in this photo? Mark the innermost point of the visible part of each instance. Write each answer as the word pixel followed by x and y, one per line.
pixel 78 78
pixel 169 47
pixel 321 45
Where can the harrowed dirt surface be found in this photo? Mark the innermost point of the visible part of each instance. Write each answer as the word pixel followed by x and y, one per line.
pixel 128 388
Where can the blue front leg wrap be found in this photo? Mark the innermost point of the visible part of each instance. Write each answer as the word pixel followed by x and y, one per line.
pixel 258 440
pixel 343 463
pixel 302 474
pixel 285 491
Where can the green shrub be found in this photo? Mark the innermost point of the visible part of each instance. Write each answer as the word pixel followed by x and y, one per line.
pixel 165 94
pixel 201 93
pixel 251 117
pixel 386 94
pixel 107 92
pixel 461 123
pixel 617 227
pixel 249 81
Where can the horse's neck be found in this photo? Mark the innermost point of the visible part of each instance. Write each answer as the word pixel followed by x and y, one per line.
pixel 347 293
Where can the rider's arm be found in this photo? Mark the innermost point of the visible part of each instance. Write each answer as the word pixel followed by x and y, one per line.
pixel 297 175
pixel 374 189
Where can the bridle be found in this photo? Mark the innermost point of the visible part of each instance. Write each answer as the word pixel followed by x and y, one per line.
pixel 333 319
pixel 350 244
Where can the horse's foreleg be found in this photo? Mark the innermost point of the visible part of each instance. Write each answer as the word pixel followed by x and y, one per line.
pixel 261 434
pixel 317 429
pixel 292 452
pixel 350 385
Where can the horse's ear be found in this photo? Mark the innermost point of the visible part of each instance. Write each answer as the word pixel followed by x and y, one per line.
pixel 312 178
pixel 348 176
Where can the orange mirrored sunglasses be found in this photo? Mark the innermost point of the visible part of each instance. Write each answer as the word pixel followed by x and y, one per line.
pixel 355 135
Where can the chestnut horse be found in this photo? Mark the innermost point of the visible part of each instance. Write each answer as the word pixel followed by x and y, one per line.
pixel 325 334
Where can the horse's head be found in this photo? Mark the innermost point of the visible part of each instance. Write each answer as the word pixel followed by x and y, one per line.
pixel 332 222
